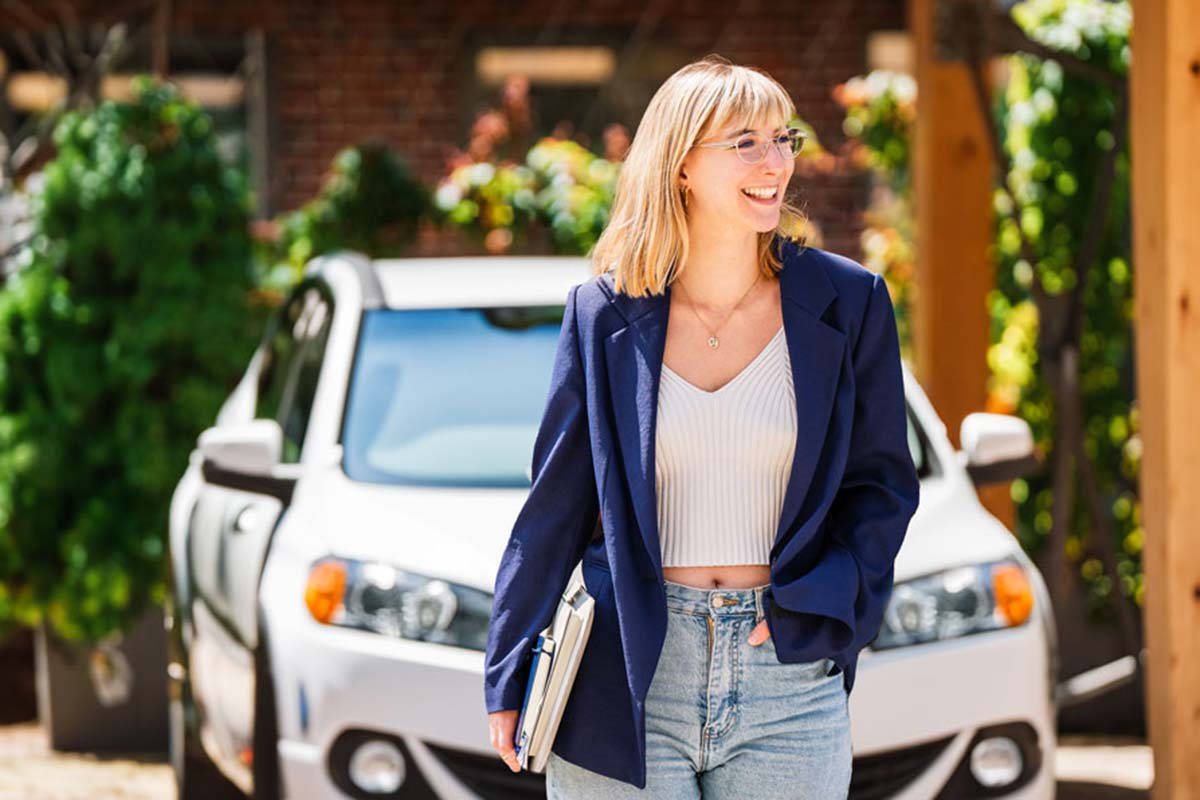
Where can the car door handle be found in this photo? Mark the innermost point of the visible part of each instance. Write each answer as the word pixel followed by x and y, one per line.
pixel 248 519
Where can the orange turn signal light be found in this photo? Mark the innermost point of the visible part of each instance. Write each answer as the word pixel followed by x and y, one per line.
pixel 1014 595
pixel 325 588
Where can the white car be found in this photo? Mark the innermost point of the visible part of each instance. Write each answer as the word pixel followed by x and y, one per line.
pixel 336 537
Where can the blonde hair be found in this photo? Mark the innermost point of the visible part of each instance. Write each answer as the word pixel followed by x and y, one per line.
pixel 646 238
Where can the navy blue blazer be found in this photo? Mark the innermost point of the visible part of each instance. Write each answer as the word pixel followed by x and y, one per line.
pixel 852 489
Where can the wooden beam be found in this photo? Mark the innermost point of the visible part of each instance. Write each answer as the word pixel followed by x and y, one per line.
pixel 162 40
pixel 1165 116
pixel 953 174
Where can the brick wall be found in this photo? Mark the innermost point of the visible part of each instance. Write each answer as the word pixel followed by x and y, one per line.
pixel 342 71
pixel 358 68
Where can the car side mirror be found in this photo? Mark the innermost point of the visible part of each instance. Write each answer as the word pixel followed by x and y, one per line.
pixel 251 448
pixel 997 447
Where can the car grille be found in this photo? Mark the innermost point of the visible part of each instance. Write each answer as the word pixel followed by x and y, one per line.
pixel 487 776
pixel 883 775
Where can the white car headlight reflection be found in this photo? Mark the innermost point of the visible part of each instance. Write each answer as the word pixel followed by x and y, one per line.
pixel 956 602
pixel 376 597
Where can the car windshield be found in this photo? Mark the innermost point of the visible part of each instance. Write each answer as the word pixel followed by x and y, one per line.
pixel 449 397
pixel 454 397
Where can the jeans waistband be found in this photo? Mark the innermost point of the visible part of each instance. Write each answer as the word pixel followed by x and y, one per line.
pixel 717 602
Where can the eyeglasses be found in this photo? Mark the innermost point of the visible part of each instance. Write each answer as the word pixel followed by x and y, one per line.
pixel 751 148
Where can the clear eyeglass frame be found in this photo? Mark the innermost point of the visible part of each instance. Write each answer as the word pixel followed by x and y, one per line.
pixel 751 148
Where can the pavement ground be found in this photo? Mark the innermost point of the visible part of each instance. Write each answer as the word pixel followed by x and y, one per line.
pixel 1088 768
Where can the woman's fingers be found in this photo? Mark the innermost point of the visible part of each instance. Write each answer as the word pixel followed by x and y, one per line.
pixel 503 726
pixel 759 634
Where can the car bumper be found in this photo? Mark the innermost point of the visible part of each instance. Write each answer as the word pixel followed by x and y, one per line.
pixel 915 712
pixel 334 686
pixel 426 706
pixel 918 713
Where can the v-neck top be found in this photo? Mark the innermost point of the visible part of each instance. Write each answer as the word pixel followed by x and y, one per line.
pixel 722 460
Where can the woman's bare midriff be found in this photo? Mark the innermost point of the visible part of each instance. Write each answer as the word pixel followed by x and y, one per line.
pixel 739 576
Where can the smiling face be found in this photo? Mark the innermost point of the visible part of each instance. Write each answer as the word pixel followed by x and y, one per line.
pixel 744 198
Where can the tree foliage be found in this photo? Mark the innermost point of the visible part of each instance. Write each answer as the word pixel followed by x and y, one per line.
pixel 370 202
pixel 1058 129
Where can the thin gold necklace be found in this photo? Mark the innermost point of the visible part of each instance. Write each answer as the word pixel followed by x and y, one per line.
pixel 713 341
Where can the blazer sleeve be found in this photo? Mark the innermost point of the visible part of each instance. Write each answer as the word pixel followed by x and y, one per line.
pixel 846 593
pixel 551 530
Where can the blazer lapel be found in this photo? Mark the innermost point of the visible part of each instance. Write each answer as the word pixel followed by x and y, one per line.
pixel 634 355
pixel 816 351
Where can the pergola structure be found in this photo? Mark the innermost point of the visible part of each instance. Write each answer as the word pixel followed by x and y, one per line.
pixel 955 159
pixel 1165 114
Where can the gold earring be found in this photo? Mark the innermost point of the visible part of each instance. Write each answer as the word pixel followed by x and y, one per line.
pixel 685 195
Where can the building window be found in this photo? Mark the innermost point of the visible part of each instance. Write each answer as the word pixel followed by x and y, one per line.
pixel 226 77
pixel 574 89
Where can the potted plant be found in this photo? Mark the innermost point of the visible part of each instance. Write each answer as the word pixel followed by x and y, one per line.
pixel 121 331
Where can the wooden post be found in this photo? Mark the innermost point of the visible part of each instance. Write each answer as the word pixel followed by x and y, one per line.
pixel 1165 117
pixel 953 175
pixel 162 40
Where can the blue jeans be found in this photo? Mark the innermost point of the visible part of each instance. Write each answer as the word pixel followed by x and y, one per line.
pixel 727 719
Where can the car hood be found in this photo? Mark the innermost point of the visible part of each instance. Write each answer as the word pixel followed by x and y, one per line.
pixel 454 533
pixel 951 529
pixel 459 534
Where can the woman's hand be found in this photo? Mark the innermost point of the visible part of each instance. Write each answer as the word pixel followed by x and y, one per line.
pixel 759 634
pixel 503 726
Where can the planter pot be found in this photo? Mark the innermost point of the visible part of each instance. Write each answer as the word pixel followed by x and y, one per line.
pixel 106 696
pixel 16 676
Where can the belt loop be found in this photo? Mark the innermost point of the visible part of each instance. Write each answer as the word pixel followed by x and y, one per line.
pixel 758 605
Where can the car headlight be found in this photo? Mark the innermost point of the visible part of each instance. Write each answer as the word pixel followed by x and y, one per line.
pixel 957 602
pixel 376 597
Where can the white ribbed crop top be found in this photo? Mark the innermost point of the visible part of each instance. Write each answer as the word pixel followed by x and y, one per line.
pixel 722 461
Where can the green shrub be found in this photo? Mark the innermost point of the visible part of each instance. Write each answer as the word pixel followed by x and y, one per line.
pixel 370 203
pixel 120 335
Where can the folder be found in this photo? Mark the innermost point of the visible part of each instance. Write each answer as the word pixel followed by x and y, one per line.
pixel 557 654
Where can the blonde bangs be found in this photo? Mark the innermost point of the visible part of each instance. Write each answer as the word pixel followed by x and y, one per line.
pixel 646 237
pixel 751 101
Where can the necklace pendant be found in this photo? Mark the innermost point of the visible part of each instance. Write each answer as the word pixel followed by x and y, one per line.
pixel 713 342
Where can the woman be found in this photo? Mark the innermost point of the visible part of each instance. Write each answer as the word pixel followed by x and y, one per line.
pixel 730 405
